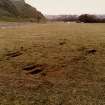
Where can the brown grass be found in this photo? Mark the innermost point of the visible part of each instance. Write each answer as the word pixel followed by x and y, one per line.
pixel 65 62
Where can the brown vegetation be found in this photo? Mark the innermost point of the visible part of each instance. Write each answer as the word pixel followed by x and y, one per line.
pixel 52 64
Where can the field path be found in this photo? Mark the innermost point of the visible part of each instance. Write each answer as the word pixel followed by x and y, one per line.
pixel 11 25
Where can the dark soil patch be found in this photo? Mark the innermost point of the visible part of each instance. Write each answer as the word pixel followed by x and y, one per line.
pixel 29 67
pixel 91 51
pixel 34 68
pixel 14 54
pixel 36 71
pixel 87 51
pixel 62 43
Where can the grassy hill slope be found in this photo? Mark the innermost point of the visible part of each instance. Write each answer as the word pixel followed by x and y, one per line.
pixel 19 10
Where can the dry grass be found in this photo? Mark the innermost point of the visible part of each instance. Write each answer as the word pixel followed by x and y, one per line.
pixel 52 64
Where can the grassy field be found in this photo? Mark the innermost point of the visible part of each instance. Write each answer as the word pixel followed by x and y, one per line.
pixel 52 64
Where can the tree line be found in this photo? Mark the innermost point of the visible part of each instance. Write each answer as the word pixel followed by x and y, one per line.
pixel 85 18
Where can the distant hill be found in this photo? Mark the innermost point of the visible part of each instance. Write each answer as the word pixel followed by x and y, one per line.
pixel 76 18
pixel 19 10
pixel 65 18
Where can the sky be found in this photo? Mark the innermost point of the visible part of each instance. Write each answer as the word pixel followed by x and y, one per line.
pixel 60 7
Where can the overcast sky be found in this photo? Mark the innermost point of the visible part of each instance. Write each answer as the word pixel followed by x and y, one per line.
pixel 69 6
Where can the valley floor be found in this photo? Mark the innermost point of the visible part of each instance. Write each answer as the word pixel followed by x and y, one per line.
pixel 52 64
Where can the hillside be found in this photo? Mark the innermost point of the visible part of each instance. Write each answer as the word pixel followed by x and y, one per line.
pixel 18 9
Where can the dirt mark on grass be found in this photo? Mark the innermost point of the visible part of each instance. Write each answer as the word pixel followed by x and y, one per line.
pixel 13 54
pixel 34 68
pixel 84 55
pixel 87 50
